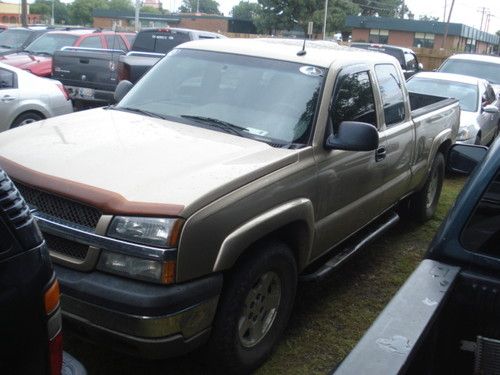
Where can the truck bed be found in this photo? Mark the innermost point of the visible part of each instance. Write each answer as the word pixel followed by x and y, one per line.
pixel 422 104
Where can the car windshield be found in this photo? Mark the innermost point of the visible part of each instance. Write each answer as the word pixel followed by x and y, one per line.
pixel 269 100
pixel 49 43
pixel 467 94
pixel 481 69
pixel 13 38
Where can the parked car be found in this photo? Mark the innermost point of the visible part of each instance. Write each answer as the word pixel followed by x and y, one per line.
pixel 480 66
pixel 37 56
pixel 444 319
pixel 480 108
pixel 406 57
pixel 30 311
pixel 233 166
pixel 15 39
pixel 26 98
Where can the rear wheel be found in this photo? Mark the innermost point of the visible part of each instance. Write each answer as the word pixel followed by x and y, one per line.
pixel 254 309
pixel 26 118
pixel 424 202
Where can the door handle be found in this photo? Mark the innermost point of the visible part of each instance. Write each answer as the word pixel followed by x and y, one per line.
pixel 8 98
pixel 380 154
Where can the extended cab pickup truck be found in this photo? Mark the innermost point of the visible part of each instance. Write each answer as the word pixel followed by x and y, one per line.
pixel 186 213
pixel 445 318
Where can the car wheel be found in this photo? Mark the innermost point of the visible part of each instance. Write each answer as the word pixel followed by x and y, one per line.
pixel 425 201
pixel 256 304
pixel 26 118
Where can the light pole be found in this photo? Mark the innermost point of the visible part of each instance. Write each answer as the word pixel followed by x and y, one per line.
pixel 324 20
pixel 137 8
pixel 52 18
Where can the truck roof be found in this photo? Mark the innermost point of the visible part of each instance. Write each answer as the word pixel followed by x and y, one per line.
pixel 319 53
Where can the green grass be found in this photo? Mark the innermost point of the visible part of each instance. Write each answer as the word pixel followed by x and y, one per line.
pixel 329 317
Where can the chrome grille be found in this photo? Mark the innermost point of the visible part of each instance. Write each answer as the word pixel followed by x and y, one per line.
pixel 66 247
pixel 60 207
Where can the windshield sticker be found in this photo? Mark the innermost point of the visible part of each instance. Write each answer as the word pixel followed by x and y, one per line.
pixel 311 71
pixel 262 133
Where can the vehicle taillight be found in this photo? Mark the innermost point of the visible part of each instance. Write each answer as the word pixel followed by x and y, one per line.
pixel 63 90
pixel 51 301
pixel 56 354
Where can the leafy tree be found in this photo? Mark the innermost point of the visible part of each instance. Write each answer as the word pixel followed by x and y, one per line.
pixel 245 11
pixel 150 9
pixel 80 11
pixel 498 32
pixel 337 12
pixel 121 5
pixel 428 18
pixel 44 7
pixel 205 6
pixel 383 8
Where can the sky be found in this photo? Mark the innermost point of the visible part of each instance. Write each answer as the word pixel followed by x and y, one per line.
pixel 463 11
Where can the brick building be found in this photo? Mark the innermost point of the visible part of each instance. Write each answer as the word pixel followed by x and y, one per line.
pixel 106 19
pixel 10 14
pixel 425 34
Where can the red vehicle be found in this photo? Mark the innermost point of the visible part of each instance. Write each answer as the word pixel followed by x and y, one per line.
pixel 37 56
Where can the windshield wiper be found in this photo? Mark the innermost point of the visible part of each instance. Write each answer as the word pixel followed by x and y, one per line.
pixel 6 46
pixel 220 124
pixel 140 111
pixel 41 53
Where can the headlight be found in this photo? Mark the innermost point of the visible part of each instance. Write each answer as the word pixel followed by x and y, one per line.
pixel 137 268
pixel 465 133
pixel 149 231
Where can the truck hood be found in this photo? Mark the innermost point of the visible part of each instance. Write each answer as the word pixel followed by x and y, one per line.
pixel 39 65
pixel 125 163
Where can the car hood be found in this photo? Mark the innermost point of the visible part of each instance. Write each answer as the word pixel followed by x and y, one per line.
pixel 27 62
pixel 125 163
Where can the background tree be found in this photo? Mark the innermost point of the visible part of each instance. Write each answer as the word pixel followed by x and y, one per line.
pixel 121 5
pixel 428 18
pixel 245 11
pixel 335 19
pixel 150 9
pixel 206 6
pixel 80 11
pixel 382 8
pixel 44 7
pixel 498 32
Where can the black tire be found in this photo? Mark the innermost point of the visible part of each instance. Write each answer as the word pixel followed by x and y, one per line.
pixel 228 351
pixel 26 118
pixel 424 202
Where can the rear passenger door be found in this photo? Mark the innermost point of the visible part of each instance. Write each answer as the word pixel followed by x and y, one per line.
pixel 349 181
pixel 9 98
pixel 398 132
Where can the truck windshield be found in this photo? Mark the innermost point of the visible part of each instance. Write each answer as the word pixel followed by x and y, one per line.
pixel 269 100
pixel 49 43
pixel 14 38
pixel 479 69
pixel 467 94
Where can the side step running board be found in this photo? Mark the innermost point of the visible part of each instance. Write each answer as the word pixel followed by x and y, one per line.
pixel 339 258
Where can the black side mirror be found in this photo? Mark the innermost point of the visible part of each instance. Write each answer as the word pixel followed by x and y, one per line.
pixel 462 158
pixel 353 136
pixel 122 89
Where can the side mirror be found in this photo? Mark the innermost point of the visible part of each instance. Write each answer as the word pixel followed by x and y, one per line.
pixel 420 66
pixel 122 89
pixel 353 136
pixel 462 158
pixel 490 109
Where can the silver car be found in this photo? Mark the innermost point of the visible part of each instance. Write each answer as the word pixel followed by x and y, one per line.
pixel 480 108
pixel 26 98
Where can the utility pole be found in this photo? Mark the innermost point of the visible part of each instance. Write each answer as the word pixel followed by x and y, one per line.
pixel 52 18
pixel 324 20
pixel 136 20
pixel 444 13
pixel 24 13
pixel 483 11
pixel 403 10
pixel 447 24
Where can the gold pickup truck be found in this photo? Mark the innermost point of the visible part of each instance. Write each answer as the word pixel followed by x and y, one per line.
pixel 186 214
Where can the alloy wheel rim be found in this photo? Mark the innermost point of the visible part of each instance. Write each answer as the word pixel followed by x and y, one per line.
pixel 260 310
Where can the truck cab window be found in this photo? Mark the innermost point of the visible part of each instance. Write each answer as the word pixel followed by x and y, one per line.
pixel 411 61
pixel 482 232
pixel 392 93
pixel 354 100
pixel 91 42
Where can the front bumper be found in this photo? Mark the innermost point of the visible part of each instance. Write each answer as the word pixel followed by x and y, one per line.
pixel 147 320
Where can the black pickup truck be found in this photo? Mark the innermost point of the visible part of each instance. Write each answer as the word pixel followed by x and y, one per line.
pixel 91 75
pixel 446 317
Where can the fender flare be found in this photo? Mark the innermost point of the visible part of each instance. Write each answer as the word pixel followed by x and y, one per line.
pixel 298 210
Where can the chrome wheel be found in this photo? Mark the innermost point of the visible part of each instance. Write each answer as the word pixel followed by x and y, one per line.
pixel 260 310
pixel 433 187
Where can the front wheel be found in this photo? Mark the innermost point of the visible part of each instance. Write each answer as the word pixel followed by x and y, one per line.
pixel 26 118
pixel 424 202
pixel 254 310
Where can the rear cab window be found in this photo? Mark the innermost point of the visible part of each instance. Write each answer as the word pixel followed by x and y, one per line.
pixel 91 42
pixel 392 95
pixel 159 41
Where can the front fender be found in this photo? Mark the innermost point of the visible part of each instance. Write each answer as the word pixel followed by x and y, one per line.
pixel 299 210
